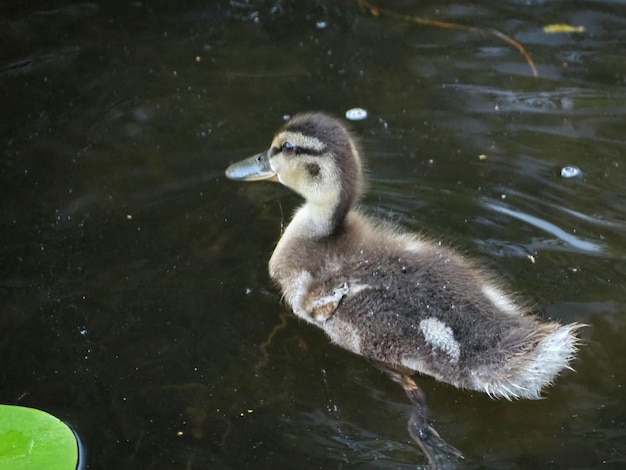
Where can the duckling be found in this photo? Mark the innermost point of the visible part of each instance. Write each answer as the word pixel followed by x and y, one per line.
pixel 403 301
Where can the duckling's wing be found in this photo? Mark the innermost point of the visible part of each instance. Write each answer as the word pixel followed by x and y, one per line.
pixel 435 318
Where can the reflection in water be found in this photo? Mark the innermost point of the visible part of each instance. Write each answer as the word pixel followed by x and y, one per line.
pixel 137 329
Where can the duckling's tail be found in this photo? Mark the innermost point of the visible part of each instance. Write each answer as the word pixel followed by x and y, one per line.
pixel 529 372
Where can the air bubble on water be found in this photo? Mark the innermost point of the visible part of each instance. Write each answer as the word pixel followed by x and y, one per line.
pixel 570 171
pixel 356 114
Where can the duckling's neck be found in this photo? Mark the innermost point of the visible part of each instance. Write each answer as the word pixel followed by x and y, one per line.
pixel 315 220
pixel 312 224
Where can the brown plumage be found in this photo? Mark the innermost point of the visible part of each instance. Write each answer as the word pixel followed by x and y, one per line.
pixel 399 299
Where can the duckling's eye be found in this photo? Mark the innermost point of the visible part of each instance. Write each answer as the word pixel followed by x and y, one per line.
pixel 288 148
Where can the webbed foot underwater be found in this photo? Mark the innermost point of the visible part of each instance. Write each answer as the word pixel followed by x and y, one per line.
pixel 400 300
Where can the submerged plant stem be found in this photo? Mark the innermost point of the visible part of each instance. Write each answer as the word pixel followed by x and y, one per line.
pixel 375 11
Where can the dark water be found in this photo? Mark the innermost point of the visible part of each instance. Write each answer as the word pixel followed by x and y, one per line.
pixel 135 302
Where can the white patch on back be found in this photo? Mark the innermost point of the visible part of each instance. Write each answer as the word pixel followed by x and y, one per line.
pixel 500 300
pixel 414 246
pixel 441 337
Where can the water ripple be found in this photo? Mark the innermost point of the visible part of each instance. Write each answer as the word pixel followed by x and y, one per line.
pixel 578 243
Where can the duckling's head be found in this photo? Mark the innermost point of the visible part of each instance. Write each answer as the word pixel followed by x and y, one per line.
pixel 315 155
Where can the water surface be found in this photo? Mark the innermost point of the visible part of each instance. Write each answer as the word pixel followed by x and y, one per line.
pixel 134 293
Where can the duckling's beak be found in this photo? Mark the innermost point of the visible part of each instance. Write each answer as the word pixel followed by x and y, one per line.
pixel 255 168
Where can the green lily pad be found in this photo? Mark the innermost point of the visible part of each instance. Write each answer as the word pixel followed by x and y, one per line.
pixel 32 439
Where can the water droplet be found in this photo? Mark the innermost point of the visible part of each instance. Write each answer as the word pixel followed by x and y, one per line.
pixel 570 171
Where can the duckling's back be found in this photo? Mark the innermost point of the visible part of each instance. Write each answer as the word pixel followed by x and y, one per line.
pixel 407 302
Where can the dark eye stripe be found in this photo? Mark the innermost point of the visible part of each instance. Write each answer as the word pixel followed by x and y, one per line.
pixel 296 151
pixel 310 151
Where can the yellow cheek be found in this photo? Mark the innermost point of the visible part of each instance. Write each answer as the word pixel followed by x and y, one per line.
pixel 288 173
pixel 297 179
